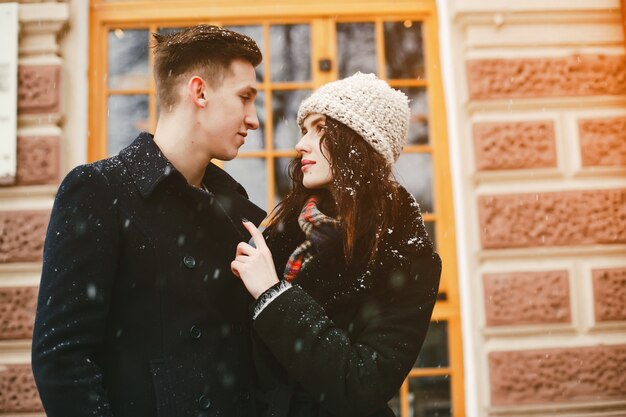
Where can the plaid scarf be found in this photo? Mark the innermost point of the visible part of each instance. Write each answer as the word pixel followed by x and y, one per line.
pixel 318 229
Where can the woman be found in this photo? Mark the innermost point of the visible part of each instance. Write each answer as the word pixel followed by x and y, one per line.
pixel 347 280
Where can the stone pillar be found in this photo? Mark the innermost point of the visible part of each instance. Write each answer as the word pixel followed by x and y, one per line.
pixel 542 121
pixel 27 202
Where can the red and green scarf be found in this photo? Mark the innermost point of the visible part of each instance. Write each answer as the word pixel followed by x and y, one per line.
pixel 318 229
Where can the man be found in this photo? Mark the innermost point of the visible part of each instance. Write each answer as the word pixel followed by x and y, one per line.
pixel 138 313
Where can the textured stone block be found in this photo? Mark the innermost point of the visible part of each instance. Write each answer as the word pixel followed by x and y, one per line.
pixel 553 219
pixel 22 234
pixel 577 75
pixel 38 160
pixel 17 312
pixel 527 298
pixel 18 392
pixel 603 142
pixel 609 291
pixel 554 376
pixel 38 89
pixel 514 145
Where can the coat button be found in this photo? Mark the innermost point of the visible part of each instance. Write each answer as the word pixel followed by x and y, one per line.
pixel 189 261
pixel 195 332
pixel 204 402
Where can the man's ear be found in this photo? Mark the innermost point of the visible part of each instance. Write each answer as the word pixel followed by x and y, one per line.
pixel 196 88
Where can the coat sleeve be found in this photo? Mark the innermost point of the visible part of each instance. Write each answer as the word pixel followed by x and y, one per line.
pixel 353 377
pixel 77 276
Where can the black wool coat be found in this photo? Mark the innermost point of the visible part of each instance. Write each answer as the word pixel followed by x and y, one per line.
pixel 340 341
pixel 138 312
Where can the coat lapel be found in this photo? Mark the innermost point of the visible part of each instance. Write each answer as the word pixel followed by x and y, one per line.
pixel 231 203
pixel 227 206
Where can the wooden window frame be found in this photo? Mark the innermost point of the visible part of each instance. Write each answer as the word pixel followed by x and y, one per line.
pixel 623 8
pixel 105 15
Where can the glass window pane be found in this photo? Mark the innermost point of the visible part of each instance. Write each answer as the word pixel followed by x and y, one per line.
pixel 169 30
pixel 404 50
pixel 290 48
pixel 128 59
pixel 285 106
pixel 415 172
pixel 430 228
pixel 434 353
pixel 356 48
pixel 251 173
pixel 282 181
pixel 126 117
pixel 418 101
pixel 256 138
pixel 394 404
pixel 430 397
pixel 256 33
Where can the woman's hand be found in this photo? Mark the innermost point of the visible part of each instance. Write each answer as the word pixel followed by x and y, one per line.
pixel 254 266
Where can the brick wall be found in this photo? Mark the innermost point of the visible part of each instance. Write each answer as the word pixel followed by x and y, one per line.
pixel 26 202
pixel 542 117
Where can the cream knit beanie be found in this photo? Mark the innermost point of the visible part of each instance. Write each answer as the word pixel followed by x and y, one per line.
pixel 367 105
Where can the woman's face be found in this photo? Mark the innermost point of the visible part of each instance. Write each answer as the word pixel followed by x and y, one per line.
pixel 316 172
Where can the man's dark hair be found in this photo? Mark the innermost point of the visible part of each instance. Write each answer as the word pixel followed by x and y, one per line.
pixel 204 49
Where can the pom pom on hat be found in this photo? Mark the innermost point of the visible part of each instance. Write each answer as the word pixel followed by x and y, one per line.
pixel 367 105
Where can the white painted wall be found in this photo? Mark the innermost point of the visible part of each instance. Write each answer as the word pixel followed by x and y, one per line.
pixel 75 51
pixel 8 91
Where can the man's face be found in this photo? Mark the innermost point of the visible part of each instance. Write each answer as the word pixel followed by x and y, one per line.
pixel 229 112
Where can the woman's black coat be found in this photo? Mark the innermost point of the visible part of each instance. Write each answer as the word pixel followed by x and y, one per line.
pixel 341 341
pixel 139 313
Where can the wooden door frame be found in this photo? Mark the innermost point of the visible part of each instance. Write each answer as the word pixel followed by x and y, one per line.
pixel 623 8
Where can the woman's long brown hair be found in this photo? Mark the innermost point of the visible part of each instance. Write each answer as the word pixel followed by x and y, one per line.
pixel 363 195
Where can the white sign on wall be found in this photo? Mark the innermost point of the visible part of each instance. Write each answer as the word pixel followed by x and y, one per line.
pixel 8 91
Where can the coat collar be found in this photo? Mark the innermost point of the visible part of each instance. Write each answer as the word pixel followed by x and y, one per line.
pixel 148 168
pixel 147 165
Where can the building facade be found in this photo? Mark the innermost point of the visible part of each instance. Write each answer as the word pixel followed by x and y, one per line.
pixel 517 155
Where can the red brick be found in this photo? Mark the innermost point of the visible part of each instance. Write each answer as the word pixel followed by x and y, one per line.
pixel 603 142
pixel 577 75
pixel 553 376
pixel 514 145
pixel 553 219
pixel 609 291
pixel 527 298
pixel 23 234
pixel 38 160
pixel 17 312
pixel 38 89
pixel 18 392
